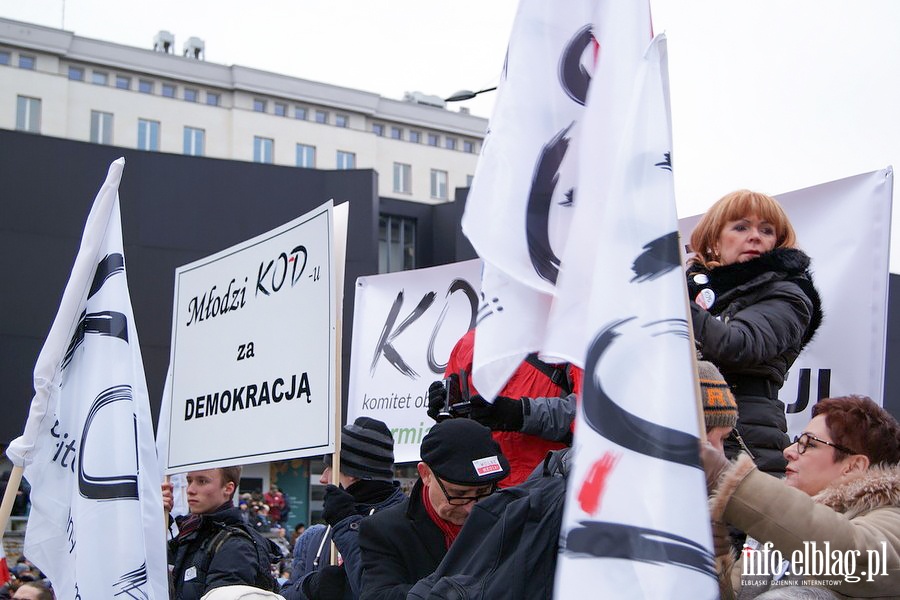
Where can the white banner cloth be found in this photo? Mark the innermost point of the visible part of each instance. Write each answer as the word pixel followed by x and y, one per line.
pixel 404 327
pixel 95 527
pixel 635 523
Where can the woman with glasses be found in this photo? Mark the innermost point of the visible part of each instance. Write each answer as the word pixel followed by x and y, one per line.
pixel 839 506
pixel 753 308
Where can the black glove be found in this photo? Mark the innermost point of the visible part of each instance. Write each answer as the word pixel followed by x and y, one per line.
pixel 338 505
pixel 505 414
pixel 437 398
pixel 326 584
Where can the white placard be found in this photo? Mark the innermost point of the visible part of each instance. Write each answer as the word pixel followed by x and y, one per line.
pixel 253 349
pixel 404 327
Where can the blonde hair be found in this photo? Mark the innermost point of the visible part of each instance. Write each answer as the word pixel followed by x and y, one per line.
pixel 732 207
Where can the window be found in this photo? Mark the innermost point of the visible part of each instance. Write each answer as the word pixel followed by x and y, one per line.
pixel 4 57
pixel 396 133
pixel 433 139
pixel 212 99
pixel 263 149
pixel 306 156
pixel 439 184
pixel 123 82
pixel 468 146
pixel 415 136
pixel 148 135
pixel 168 90
pixel 76 74
pixel 145 86
pixel 26 61
pixel 341 120
pixel 194 140
pixel 100 78
pixel 259 105
pixel 28 114
pixel 280 109
pixel 321 116
pixel 378 129
pixel 450 143
pixel 396 244
pixel 346 160
pixel 402 178
pixel 191 95
pixel 101 127
pixel 300 113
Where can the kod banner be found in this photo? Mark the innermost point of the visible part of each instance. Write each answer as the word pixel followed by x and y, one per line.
pixel 404 327
pixel 253 350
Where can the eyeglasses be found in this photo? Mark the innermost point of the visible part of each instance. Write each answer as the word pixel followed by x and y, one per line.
pixel 803 440
pixel 463 500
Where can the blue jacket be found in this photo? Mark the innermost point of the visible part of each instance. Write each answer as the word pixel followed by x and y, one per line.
pixel 345 535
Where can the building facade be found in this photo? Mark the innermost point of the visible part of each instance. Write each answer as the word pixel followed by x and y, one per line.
pixel 55 83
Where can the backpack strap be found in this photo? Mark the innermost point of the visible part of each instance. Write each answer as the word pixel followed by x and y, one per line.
pixel 213 544
pixel 558 374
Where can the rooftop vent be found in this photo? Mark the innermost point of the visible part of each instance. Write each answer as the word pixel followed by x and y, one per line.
pixel 426 99
pixel 164 42
pixel 195 48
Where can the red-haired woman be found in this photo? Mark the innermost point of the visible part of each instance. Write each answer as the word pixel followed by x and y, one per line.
pixel 754 307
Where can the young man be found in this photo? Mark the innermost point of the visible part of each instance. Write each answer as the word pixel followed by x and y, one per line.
pixel 214 547
pixel 461 464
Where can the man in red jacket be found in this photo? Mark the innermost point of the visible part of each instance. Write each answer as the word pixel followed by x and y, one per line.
pixel 533 414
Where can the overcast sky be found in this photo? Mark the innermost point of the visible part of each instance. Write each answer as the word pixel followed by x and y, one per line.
pixel 769 95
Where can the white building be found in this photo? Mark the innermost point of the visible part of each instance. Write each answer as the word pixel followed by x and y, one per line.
pixel 54 83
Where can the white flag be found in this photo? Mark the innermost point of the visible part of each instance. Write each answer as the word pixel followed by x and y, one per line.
pixel 636 523
pixel 95 526
pixel 518 210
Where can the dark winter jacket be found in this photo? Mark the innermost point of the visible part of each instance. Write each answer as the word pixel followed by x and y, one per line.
pixel 240 560
pixel 764 311
pixel 345 535
pixel 399 546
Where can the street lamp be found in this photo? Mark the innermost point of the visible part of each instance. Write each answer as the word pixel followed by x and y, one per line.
pixel 467 94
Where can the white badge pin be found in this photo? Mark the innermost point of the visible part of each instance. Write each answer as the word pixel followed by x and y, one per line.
pixel 705 298
pixel 701 279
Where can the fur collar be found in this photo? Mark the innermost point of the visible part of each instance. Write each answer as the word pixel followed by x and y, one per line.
pixel 877 487
pixel 789 262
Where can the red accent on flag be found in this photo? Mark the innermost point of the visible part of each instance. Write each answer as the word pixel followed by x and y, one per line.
pixel 592 488
pixel 4 569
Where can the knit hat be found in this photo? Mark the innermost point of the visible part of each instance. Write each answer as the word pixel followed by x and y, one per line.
pixel 719 407
pixel 463 452
pixel 367 450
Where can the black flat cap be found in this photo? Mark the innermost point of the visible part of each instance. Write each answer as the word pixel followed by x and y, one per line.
pixel 463 452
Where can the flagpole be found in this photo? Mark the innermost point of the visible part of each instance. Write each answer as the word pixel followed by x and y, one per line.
pixel 698 403
pixel 9 497
pixel 338 410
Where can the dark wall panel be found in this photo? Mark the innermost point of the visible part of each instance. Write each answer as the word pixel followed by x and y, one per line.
pixel 175 209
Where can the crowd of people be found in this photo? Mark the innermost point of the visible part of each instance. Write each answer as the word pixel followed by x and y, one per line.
pixel 26 582
pixel 754 307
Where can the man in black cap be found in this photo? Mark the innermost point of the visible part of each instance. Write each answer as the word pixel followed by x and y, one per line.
pixel 366 486
pixel 461 464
